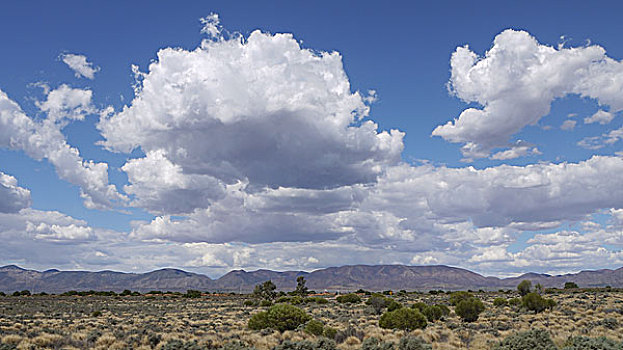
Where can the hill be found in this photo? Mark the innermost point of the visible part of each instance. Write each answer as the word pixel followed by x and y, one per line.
pixel 343 278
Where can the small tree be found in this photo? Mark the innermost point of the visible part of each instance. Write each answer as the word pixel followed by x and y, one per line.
pixel 469 309
pixel 265 290
pixel 524 287
pixel 301 289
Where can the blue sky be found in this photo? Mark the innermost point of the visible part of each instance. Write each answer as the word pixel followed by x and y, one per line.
pixel 241 150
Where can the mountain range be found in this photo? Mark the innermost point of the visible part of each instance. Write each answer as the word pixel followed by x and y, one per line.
pixel 344 278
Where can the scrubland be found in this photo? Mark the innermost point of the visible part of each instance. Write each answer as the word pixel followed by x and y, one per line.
pixel 221 321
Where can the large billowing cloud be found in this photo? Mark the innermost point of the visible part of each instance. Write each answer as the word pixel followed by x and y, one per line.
pixel 261 110
pixel 12 197
pixel 41 139
pixel 516 82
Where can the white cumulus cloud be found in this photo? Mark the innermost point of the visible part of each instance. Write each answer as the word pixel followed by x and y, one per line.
pixel 568 125
pixel 12 197
pixel 80 65
pixel 515 83
pixel 259 110
pixel 43 139
pixel 602 117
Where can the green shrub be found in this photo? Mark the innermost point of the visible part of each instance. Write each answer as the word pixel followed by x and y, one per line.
pixel 281 317
pixel 250 302
pixel 259 321
pixel 236 345
pixel 469 309
pixel 374 343
pixel 393 305
pixel 445 311
pixel 296 300
pixel 266 303
pixel 96 313
pixel 329 332
pixel 176 344
pixel 571 285
pixel 192 294
pixel 403 318
pixel 349 298
pixel 317 300
pixel 420 306
pixel 535 302
pixel 582 343
pixel 514 301
pixel 413 343
pixel 536 339
pixel 321 344
pixel 314 327
pixel 283 299
pixel 500 302
pixel 378 303
pixel 457 297
pixel 432 313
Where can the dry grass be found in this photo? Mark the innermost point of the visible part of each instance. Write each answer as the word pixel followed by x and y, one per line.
pixel 55 322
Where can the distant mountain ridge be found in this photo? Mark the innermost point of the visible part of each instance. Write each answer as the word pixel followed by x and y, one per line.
pixel 343 278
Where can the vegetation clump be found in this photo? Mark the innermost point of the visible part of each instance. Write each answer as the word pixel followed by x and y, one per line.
pixel 374 343
pixel 314 327
pixel 535 302
pixel 301 289
pixel 535 339
pixel 265 290
pixel 499 302
pixel 413 343
pixel 571 285
pixel 600 343
pixel 351 298
pixel 457 297
pixel 469 309
pixel 432 312
pixel 403 318
pixel 524 287
pixel 281 317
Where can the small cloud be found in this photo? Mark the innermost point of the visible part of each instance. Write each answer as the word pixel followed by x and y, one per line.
pixel 606 139
pixel 519 149
pixel 568 125
pixel 602 117
pixel 80 65
pixel 211 25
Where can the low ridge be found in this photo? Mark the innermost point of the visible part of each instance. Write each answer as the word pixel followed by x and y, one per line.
pixel 343 278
